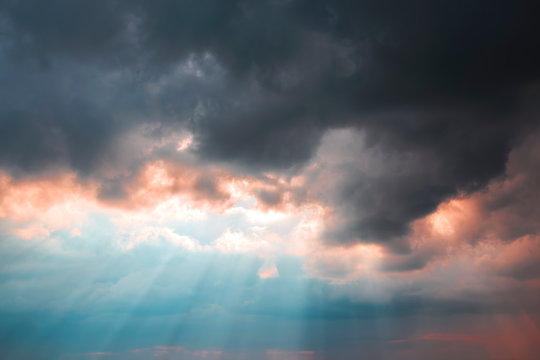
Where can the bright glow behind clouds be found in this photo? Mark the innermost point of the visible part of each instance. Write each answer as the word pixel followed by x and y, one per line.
pixel 247 227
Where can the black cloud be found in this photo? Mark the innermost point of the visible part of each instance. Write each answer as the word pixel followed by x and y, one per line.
pixel 442 81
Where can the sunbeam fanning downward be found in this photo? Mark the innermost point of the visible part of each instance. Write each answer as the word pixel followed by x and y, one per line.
pixel 253 277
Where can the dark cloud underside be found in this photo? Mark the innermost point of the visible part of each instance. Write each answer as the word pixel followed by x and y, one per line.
pixel 447 85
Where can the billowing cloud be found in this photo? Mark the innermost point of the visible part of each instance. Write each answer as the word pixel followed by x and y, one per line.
pixel 259 84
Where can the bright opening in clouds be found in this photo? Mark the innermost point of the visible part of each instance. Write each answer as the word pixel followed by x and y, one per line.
pixel 269 180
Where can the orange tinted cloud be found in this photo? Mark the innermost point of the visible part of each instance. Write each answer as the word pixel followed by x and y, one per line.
pixel 511 337
pixel 36 207
pixel 274 354
pixel 164 191
pixel 449 337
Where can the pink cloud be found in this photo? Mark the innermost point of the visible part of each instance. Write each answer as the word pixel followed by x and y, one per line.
pixel 275 354
pixel 98 354
pixel 268 270
pixel 166 351
pixel 161 191
pixel 449 337
pixel 509 338
pixel 37 207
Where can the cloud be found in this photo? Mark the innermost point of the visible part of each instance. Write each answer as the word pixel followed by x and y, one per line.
pixel 38 207
pixel 268 270
pixel 472 229
pixel 258 85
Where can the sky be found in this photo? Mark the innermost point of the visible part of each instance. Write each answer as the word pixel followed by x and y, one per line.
pixel 269 180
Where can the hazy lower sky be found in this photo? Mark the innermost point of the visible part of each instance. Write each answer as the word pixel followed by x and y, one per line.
pixel 270 179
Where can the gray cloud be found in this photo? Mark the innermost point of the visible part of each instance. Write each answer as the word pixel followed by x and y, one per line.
pixel 437 87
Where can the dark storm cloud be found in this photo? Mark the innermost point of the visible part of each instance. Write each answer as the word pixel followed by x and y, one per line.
pixel 440 81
